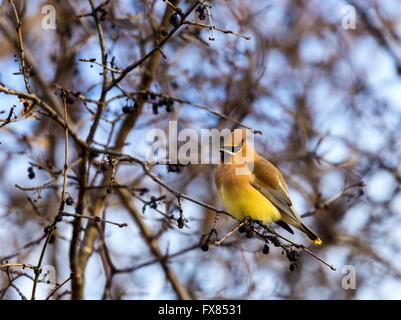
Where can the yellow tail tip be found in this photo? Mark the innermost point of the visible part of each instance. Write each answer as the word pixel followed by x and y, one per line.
pixel 317 241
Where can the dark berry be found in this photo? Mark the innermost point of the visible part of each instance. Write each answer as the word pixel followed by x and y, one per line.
pixel 52 238
pixel 174 168
pixel 201 9
pixel 161 102
pixel 69 100
pixel 180 222
pixel 126 109
pixel 105 166
pixel 155 108
pixel 204 247
pixel 164 32
pixel 276 242
pixel 249 233
pixel 108 190
pixel 169 105
pixel 202 12
pixel 266 249
pixel 58 218
pixel 292 255
pixel 242 229
pixel 47 229
pixel 31 175
pixel 69 201
pixel 175 20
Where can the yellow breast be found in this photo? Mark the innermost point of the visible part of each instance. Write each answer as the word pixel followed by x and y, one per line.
pixel 245 201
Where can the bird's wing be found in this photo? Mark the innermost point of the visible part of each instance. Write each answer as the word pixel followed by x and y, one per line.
pixel 269 181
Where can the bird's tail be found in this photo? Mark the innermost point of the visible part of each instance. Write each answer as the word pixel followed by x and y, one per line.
pixel 298 223
pixel 311 235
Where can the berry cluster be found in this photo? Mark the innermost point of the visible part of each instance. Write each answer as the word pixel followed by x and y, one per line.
pixel 293 257
pixel 156 102
pixel 201 10
pixel 246 228
pixel 166 102
pixel 130 109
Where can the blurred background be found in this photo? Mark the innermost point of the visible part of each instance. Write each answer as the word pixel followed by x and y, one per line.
pixel 319 79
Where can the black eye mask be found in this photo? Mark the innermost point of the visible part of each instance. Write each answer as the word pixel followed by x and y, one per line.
pixel 233 149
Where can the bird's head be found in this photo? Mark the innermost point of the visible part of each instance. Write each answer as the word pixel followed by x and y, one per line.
pixel 236 147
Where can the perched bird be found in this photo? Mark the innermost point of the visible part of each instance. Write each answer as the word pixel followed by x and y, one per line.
pixel 251 186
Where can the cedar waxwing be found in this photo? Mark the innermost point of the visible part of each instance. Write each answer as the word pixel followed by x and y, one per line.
pixel 251 186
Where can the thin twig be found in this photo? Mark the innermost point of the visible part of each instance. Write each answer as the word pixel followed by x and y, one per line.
pixel 21 47
pixel 63 197
pixel 229 234
pixel 38 267
pixel 96 218
pixel 202 25
pixel 39 187
pixel 22 265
